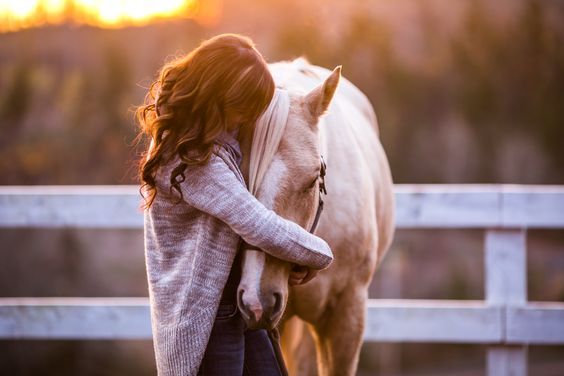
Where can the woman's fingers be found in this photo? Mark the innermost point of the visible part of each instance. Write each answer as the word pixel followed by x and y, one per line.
pixel 294 282
pixel 297 274
pixel 301 274
pixel 310 275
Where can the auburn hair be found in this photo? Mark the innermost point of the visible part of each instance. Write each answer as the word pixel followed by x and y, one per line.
pixel 193 101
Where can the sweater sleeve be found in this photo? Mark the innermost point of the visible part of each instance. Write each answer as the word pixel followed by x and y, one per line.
pixel 215 189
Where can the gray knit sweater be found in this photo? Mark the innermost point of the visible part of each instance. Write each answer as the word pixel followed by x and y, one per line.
pixel 190 247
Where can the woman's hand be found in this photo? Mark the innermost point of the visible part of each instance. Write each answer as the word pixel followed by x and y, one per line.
pixel 301 274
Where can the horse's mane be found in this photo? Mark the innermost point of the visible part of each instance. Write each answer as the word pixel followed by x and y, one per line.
pixel 266 138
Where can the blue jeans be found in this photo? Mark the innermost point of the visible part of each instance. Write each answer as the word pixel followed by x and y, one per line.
pixel 234 350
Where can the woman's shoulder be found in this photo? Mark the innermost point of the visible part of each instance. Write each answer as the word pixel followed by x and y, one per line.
pixel 221 161
pixel 225 156
pixel 229 141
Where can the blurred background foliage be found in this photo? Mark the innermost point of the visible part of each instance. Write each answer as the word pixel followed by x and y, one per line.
pixel 470 92
pixel 465 91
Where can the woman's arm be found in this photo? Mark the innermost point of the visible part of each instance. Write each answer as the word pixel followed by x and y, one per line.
pixel 215 189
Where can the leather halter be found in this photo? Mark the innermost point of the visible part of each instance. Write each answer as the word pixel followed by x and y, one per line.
pixel 322 190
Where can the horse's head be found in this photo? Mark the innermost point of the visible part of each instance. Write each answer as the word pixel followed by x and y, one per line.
pixel 290 187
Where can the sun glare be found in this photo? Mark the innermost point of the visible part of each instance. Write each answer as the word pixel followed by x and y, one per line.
pixel 20 14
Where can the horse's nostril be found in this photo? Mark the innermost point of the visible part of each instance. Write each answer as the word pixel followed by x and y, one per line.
pixel 240 299
pixel 277 303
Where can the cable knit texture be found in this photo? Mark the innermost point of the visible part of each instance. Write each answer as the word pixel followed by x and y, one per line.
pixel 190 247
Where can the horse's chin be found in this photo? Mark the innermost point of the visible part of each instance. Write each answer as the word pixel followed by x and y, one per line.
pixel 253 325
pixel 263 323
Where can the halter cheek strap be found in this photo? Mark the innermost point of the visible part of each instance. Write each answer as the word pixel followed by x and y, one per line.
pixel 322 190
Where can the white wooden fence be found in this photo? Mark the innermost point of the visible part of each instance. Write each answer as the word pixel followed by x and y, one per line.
pixel 504 320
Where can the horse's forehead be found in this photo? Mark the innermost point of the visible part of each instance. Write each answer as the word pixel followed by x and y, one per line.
pixel 300 140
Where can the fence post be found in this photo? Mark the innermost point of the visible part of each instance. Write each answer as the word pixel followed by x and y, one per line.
pixel 506 285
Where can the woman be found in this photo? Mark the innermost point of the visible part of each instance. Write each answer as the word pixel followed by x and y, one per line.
pixel 198 210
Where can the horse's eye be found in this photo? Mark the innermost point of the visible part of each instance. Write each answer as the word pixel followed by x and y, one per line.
pixel 311 185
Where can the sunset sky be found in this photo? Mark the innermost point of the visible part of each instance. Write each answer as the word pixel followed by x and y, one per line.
pixel 21 14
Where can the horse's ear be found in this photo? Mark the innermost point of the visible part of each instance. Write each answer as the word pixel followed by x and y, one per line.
pixel 317 100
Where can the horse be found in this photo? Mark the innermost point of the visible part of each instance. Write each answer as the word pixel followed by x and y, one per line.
pixel 322 321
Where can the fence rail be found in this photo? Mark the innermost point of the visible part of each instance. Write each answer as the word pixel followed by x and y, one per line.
pixel 505 320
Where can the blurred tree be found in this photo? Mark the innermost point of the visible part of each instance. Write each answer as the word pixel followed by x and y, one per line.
pixel 455 104
pixel 510 79
pixel 17 101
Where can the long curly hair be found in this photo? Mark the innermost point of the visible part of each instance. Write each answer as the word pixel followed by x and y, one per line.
pixel 221 85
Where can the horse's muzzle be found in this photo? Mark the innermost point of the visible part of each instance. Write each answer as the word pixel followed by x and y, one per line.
pixel 263 314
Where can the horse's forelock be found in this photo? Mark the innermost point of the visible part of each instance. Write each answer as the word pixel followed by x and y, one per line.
pixel 266 138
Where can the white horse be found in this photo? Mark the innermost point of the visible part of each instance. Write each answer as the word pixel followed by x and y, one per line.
pixel 324 318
